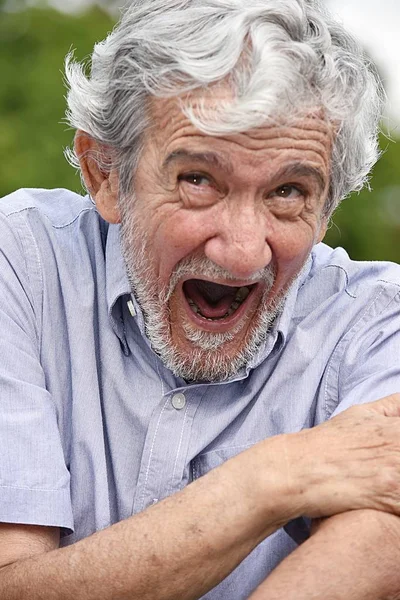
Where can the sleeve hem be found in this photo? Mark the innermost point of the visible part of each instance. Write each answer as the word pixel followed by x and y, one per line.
pixel 51 508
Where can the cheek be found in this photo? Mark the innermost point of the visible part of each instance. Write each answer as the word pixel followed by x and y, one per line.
pixel 291 248
pixel 179 235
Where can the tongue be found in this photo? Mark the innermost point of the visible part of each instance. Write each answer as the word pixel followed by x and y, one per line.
pixel 213 300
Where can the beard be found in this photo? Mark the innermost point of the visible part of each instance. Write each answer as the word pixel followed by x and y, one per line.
pixel 207 357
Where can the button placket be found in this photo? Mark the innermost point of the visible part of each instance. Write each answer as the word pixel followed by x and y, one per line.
pixel 165 450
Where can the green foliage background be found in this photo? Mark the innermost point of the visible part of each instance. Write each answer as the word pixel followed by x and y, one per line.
pixel 33 44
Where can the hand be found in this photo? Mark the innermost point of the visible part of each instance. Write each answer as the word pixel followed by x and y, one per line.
pixel 350 462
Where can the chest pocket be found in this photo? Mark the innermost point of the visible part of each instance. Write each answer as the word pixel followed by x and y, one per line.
pixel 298 529
pixel 203 463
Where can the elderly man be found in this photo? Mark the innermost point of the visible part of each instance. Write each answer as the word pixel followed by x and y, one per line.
pixel 175 344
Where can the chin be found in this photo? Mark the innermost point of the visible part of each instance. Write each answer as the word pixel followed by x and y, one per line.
pixel 203 365
pixel 198 355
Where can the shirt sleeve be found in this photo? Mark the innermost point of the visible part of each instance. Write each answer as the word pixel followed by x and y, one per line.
pixel 34 480
pixel 370 365
pixel 364 368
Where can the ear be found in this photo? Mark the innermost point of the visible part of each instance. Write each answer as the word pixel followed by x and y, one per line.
pixel 322 230
pixel 103 187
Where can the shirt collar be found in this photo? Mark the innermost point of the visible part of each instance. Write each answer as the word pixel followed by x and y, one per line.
pixel 283 322
pixel 117 283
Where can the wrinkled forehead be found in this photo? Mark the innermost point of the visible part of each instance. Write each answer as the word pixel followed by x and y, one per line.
pixel 171 122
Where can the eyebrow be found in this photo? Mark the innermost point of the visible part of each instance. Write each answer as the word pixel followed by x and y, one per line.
pixel 210 158
pixel 300 169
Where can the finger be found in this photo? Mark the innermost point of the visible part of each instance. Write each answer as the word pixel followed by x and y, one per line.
pixel 388 406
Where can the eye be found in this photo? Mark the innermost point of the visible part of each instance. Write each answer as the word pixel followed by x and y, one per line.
pixel 291 192
pixel 196 179
pixel 198 190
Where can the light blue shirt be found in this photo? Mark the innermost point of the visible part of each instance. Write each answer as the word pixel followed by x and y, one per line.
pixel 93 428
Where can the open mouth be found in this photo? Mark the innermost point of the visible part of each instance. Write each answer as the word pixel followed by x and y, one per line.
pixel 216 302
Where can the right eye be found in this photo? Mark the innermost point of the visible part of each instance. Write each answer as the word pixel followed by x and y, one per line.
pixel 196 179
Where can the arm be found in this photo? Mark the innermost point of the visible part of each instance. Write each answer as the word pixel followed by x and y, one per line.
pixel 356 555
pixel 188 543
pixel 179 548
pixel 352 556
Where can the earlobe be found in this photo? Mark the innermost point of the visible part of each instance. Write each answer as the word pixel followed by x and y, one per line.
pixel 103 187
pixel 107 202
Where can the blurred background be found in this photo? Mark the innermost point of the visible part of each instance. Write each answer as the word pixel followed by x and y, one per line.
pixel 35 36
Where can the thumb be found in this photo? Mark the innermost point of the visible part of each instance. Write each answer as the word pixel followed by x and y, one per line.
pixel 388 406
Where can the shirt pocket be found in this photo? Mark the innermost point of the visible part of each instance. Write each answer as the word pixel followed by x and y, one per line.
pixel 298 529
pixel 203 463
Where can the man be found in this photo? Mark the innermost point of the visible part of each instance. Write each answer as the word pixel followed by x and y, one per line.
pixel 175 344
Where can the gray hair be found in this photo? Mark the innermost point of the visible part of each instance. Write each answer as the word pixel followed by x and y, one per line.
pixel 281 58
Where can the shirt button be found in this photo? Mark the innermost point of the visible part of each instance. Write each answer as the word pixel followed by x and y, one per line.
pixel 178 401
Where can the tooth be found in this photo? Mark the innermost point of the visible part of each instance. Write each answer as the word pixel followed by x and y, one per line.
pixel 242 294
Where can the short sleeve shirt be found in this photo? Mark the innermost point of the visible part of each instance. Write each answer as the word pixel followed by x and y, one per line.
pixel 94 428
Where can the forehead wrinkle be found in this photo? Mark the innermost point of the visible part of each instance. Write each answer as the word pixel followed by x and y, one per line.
pixel 282 138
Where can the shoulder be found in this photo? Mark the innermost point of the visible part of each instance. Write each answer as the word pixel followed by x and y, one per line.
pixel 338 281
pixel 45 235
pixel 357 274
pixel 59 207
pixel 349 312
pixel 46 222
pixel 341 299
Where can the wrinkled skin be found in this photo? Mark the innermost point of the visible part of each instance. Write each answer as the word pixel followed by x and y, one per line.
pixel 245 202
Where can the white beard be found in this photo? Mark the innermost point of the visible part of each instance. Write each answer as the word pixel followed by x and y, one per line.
pixel 207 360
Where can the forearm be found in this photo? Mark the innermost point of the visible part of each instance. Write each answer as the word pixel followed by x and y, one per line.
pixel 352 556
pixel 188 543
pixel 180 548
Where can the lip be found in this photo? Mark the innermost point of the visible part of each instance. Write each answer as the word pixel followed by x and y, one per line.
pixel 230 322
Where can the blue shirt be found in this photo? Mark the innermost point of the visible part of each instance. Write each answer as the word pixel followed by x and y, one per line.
pixel 93 427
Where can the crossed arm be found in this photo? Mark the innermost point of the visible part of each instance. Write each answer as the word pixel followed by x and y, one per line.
pixel 352 556
pixel 185 545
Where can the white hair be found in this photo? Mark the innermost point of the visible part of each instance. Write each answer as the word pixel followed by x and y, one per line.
pixel 282 58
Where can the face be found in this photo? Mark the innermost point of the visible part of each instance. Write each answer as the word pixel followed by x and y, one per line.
pixel 218 230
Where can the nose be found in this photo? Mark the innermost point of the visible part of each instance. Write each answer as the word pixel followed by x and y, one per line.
pixel 240 243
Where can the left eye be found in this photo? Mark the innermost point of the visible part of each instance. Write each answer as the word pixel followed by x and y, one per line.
pixel 288 191
pixel 196 179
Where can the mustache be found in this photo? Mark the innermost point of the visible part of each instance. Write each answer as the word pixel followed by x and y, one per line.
pixel 201 266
